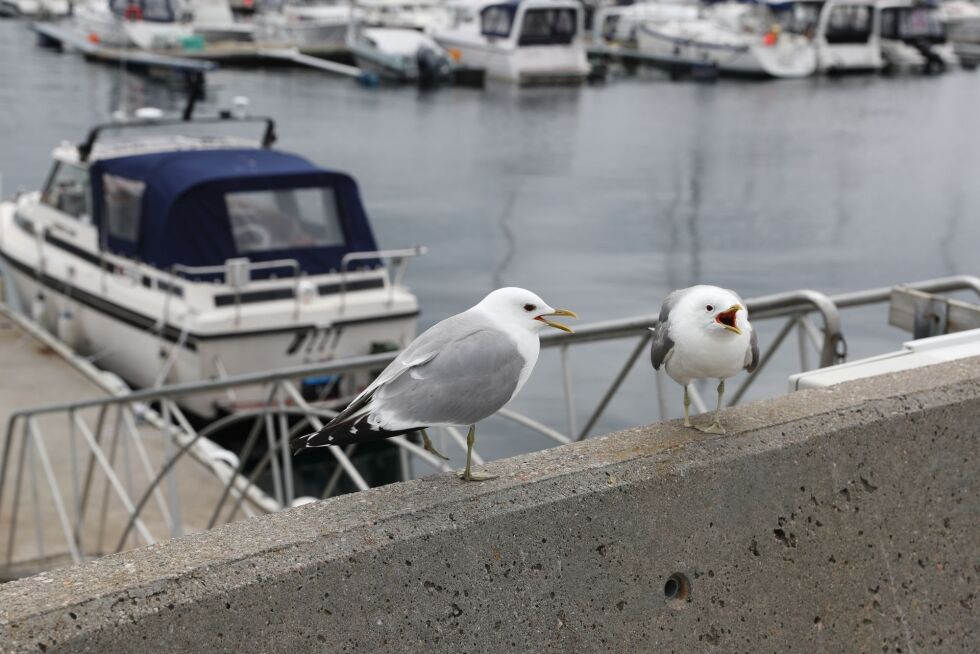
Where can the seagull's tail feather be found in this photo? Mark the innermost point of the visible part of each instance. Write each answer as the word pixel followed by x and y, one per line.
pixel 345 432
pixel 349 426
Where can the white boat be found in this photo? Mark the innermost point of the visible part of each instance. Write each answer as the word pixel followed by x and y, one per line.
pixel 19 8
pixel 34 8
pixel 913 37
pixel 147 24
pixel 732 38
pixel 422 15
pixel 181 258
pixel 617 24
pixel 962 20
pixel 401 55
pixel 844 32
pixel 215 23
pixel 304 23
pixel 522 41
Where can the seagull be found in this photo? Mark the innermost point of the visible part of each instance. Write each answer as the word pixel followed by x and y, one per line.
pixel 704 332
pixel 458 372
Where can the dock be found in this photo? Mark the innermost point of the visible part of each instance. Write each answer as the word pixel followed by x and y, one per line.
pixel 327 58
pixel 34 514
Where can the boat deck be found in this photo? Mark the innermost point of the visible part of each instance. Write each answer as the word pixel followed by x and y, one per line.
pixel 37 374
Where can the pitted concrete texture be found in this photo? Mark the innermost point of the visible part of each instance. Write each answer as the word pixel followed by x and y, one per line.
pixel 832 520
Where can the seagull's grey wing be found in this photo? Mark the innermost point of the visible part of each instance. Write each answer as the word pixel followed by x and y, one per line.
pixel 662 343
pixel 420 351
pixel 470 378
pixel 752 354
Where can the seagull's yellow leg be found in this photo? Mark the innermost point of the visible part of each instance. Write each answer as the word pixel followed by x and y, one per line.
pixel 687 408
pixel 715 427
pixel 429 447
pixel 467 474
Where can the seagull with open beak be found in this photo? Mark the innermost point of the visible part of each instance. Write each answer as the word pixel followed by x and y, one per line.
pixel 704 333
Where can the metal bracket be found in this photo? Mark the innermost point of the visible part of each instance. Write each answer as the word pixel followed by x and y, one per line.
pixel 931 316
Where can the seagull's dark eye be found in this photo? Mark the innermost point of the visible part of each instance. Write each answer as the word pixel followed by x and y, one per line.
pixel 529 307
pixel 709 308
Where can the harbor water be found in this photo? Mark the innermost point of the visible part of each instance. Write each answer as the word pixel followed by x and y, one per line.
pixel 602 198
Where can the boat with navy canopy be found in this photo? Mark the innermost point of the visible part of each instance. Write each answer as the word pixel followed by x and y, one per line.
pixel 186 257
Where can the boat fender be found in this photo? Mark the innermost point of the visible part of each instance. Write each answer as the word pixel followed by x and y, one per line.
pixel 39 309
pixel 133 12
pixel 369 80
pixel 65 328
pixel 214 453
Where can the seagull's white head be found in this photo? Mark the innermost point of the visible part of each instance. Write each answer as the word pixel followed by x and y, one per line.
pixel 522 309
pixel 717 310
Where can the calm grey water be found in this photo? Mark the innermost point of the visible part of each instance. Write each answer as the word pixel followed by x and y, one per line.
pixel 602 199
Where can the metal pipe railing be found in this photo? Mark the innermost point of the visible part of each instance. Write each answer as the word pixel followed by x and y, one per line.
pixel 284 402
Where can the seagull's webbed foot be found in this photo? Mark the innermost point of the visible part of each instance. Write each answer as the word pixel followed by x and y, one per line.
pixel 429 447
pixel 713 428
pixel 469 475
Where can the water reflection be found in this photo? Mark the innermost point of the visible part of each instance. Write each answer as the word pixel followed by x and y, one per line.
pixel 604 198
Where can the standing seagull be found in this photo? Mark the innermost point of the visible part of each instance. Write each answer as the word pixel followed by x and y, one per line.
pixel 704 332
pixel 458 372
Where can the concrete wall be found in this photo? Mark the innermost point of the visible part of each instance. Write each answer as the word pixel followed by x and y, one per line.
pixel 839 520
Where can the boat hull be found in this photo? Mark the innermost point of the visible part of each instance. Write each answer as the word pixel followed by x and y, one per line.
pixel 526 66
pixel 789 57
pixel 140 356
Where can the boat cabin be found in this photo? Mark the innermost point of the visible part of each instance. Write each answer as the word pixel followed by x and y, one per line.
pixel 523 41
pixel 199 208
pixel 535 26
pixel 913 36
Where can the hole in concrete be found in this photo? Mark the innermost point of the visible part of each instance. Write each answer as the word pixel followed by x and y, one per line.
pixel 677 590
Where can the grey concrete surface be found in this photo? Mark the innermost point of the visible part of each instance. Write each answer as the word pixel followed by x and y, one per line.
pixel 831 520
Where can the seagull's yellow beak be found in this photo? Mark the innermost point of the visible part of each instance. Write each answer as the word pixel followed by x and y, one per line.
pixel 558 325
pixel 727 318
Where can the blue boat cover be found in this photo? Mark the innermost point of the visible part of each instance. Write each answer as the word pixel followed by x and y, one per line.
pixel 184 217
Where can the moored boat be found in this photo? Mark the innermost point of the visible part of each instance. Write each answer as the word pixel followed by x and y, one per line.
pixel 400 55
pixel 521 41
pixel 180 258
pixel 733 38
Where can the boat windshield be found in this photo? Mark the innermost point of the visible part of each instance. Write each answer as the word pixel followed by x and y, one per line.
pixel 798 17
pixel 158 11
pixel 284 219
pixel 548 27
pixel 496 20
pixel 912 24
pixel 849 24
pixel 67 191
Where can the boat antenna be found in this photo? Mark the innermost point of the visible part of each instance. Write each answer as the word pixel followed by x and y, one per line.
pixel 195 84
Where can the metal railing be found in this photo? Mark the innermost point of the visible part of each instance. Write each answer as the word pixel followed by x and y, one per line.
pixel 398 258
pixel 103 443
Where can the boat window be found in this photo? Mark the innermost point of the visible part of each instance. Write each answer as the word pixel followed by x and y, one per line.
pixel 798 17
pixel 849 24
pixel 160 11
pixel 548 27
pixel 123 200
pixel 912 24
pixel 496 20
pixel 68 191
pixel 284 219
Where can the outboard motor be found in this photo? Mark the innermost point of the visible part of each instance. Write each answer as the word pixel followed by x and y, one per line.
pixel 434 67
pixel 934 63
